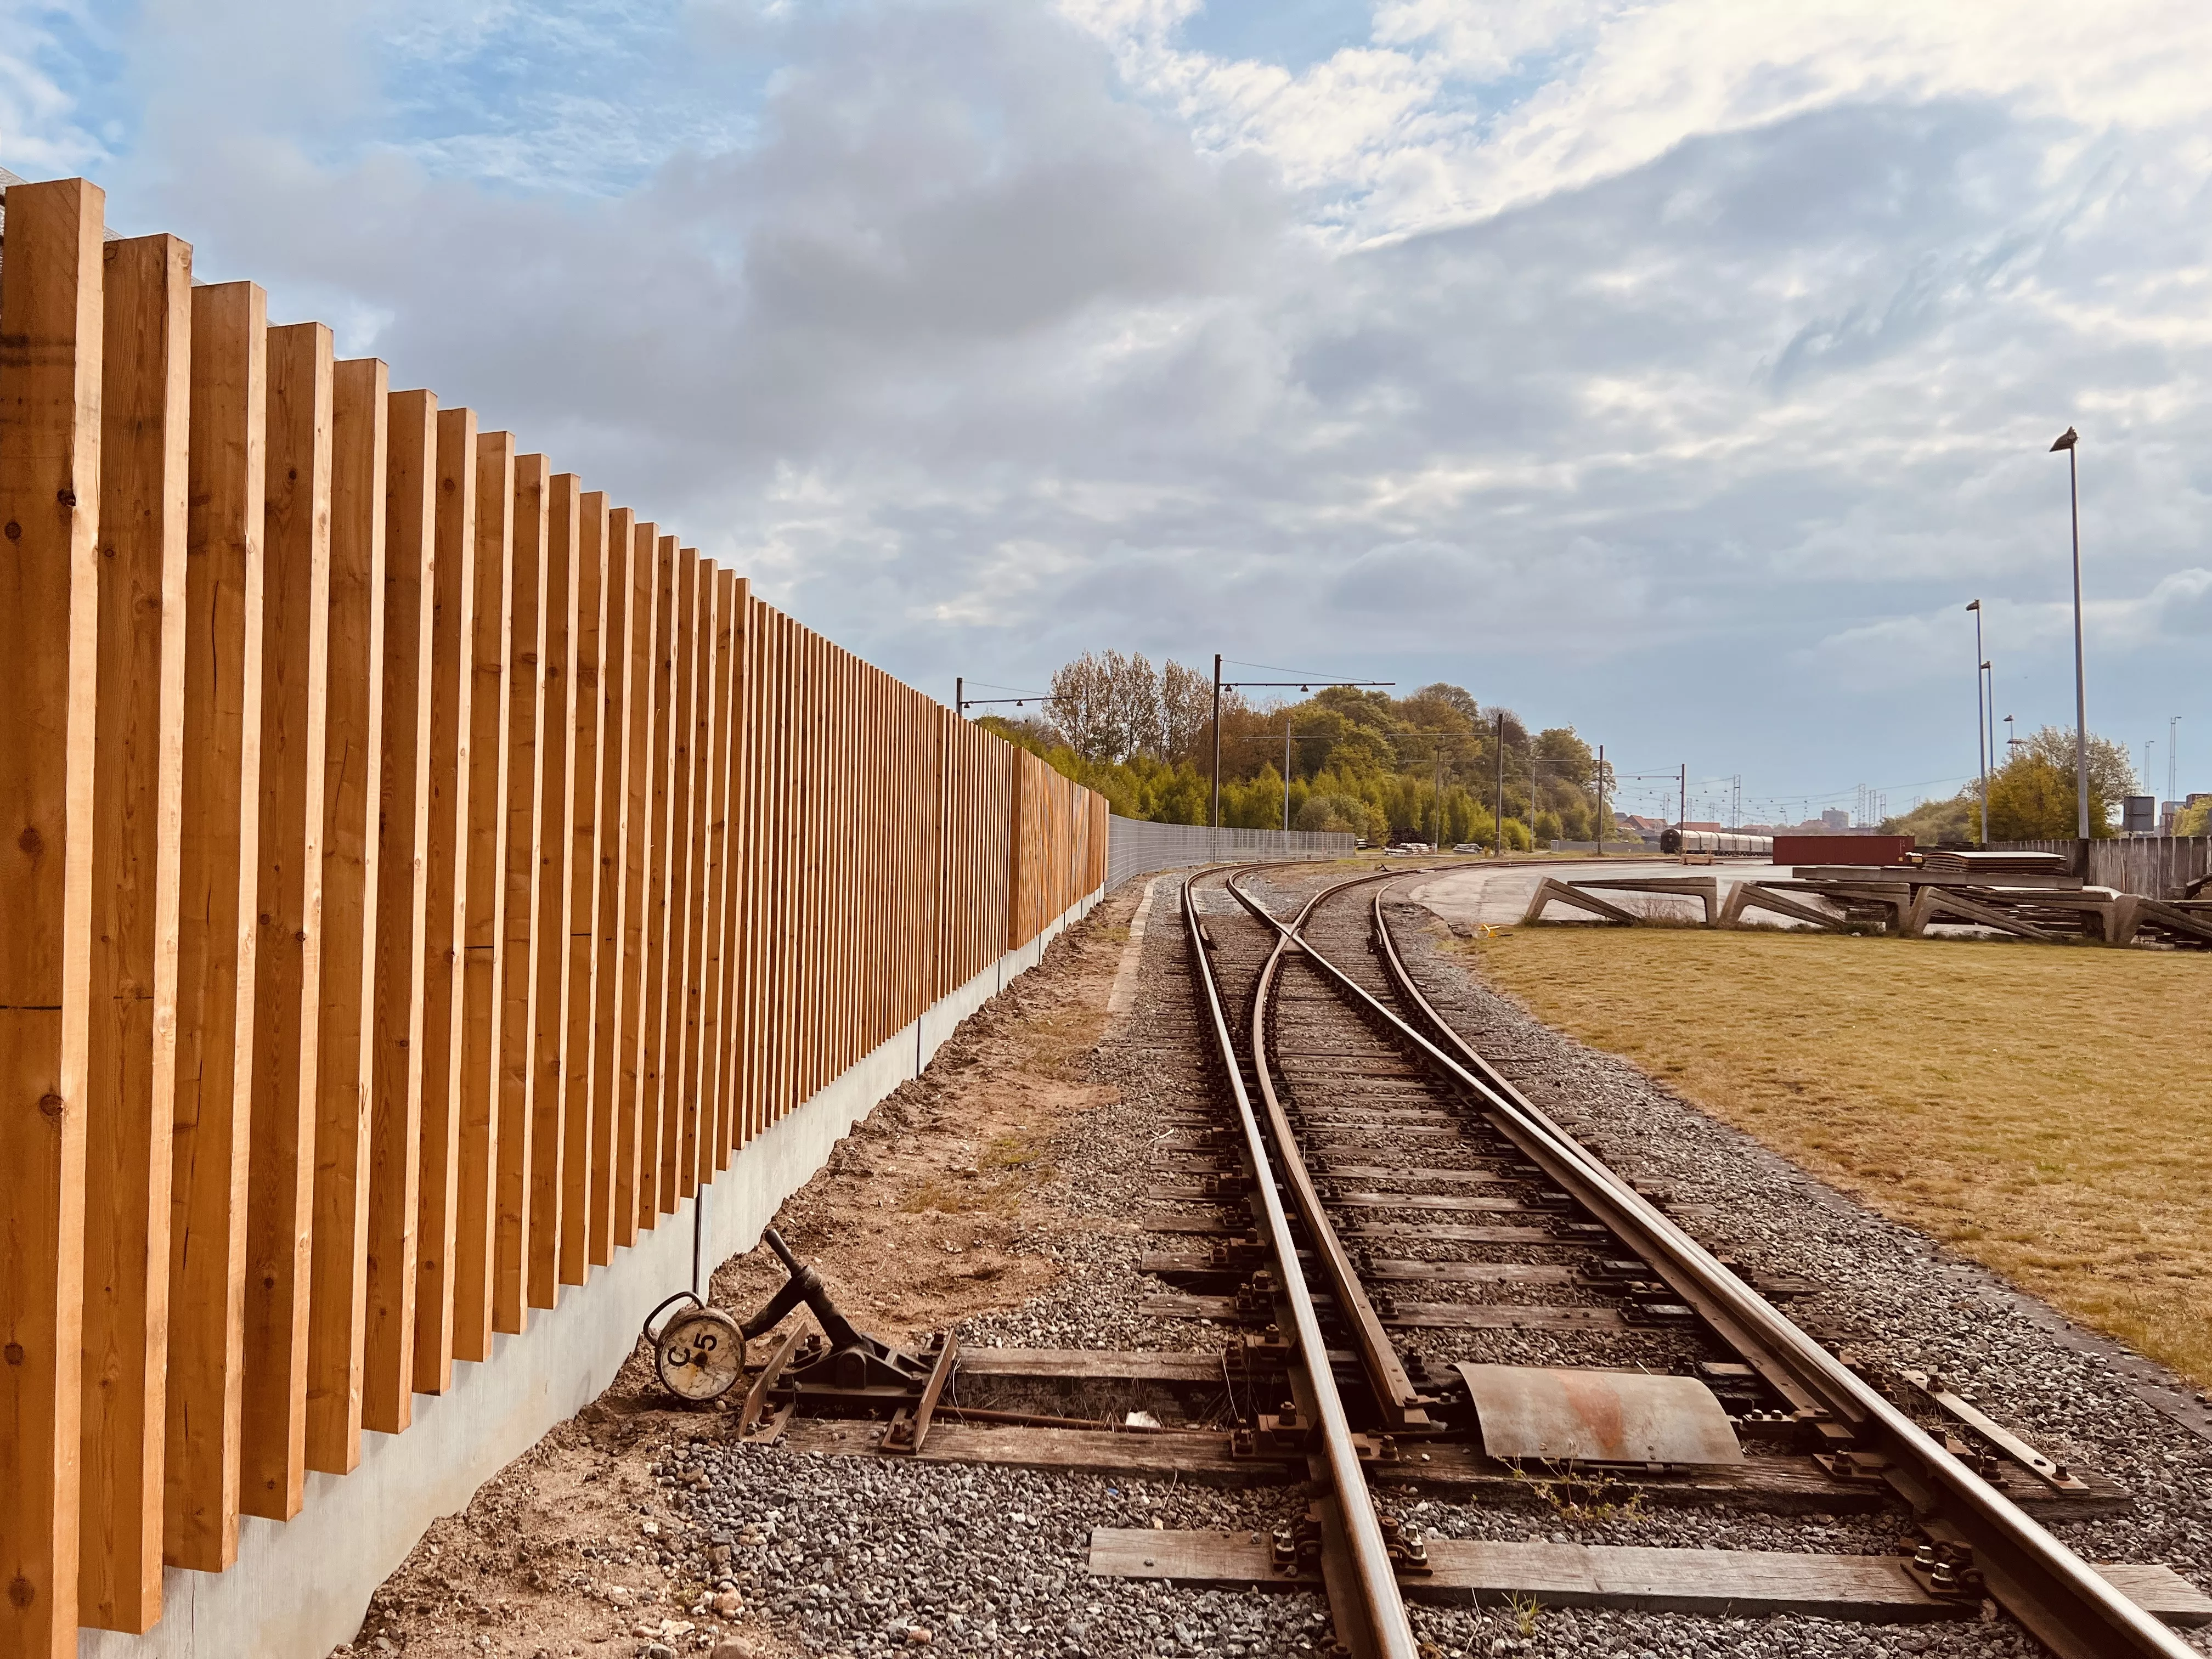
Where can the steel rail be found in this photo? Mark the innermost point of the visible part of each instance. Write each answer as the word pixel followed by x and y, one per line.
pixel 2059 1597
pixel 1395 1397
pixel 1382 1611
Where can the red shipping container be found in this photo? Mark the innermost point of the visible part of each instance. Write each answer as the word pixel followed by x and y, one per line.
pixel 1841 849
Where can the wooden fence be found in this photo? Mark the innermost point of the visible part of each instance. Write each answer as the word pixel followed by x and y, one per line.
pixel 2156 866
pixel 418 876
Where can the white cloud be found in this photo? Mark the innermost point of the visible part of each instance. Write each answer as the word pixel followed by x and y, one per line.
pixel 1556 348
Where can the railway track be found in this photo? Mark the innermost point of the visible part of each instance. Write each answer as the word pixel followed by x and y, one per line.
pixel 1411 1206
pixel 1397 1303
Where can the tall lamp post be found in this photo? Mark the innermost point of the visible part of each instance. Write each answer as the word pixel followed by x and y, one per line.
pixel 2066 441
pixel 1981 726
pixel 2172 760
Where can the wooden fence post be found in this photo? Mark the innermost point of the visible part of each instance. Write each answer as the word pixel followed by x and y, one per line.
pixel 694 670
pixel 714 1028
pixel 532 1205
pixel 641 1154
pixel 403 825
pixel 613 1115
pixel 587 1213
pixel 656 1191
pixel 445 916
pixel 50 397
pixel 215 935
pixel 130 1084
pixel 345 1049
pixel 287 956
pixel 502 667
pixel 562 1114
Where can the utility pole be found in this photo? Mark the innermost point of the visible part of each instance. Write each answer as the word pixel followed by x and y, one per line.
pixel 960 697
pixel 1498 834
pixel 1437 774
pixel 1286 771
pixel 1217 745
pixel 1600 800
pixel 1981 739
pixel 1682 811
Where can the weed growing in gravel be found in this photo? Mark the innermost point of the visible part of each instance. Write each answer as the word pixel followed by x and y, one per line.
pixel 1524 1608
pixel 1578 1498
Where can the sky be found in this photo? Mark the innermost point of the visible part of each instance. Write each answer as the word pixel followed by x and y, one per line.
pixel 1675 370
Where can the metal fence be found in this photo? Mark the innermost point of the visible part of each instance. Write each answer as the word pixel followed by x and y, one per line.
pixel 1134 848
pixel 2156 866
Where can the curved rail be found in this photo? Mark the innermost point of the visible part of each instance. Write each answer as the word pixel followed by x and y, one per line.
pixel 1395 1397
pixel 1379 1622
pixel 2064 1602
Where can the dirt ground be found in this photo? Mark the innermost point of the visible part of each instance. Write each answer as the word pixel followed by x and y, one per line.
pixel 928 1213
pixel 2041 1109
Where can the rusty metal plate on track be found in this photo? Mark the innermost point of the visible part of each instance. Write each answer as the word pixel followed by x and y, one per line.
pixel 1598 1417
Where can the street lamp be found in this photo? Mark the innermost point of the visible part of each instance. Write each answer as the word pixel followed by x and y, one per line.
pixel 1981 740
pixel 2066 441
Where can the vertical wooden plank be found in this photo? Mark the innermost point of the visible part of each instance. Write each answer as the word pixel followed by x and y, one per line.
pixel 401 894
pixel 638 1134
pixel 736 952
pixel 573 574
pixel 130 1080
pixel 661 949
pixel 705 867
pixel 538 1168
pixel 215 937
pixel 444 1040
pixel 610 1101
pixel 772 969
pixel 744 883
pixel 714 1062
pixel 49 431
pixel 501 752
pixel 813 1028
pixel 288 955
pixel 589 1211
pixel 353 764
pixel 790 959
pixel 694 671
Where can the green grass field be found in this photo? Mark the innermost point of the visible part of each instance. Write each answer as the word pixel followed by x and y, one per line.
pixel 2045 1110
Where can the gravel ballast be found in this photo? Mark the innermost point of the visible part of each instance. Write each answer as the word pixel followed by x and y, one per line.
pixel 850 1555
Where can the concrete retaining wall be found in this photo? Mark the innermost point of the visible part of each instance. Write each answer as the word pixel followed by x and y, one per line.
pixel 300 1587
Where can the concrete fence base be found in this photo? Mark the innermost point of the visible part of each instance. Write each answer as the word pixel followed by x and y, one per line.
pixel 301 1588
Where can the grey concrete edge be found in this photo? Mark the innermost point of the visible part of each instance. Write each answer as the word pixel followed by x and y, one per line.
pixel 300 1587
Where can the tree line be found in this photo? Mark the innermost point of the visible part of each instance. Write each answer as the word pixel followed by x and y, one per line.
pixel 1423 766
pixel 2032 795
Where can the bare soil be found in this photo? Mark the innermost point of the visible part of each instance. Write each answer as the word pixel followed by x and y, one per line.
pixel 933 1210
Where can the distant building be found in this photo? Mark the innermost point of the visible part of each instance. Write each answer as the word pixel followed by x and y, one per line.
pixel 1835 819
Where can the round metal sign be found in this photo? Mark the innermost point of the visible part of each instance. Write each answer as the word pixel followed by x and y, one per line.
pixel 700 1355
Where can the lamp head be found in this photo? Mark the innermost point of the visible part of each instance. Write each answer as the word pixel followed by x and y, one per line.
pixel 1973 605
pixel 2067 439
